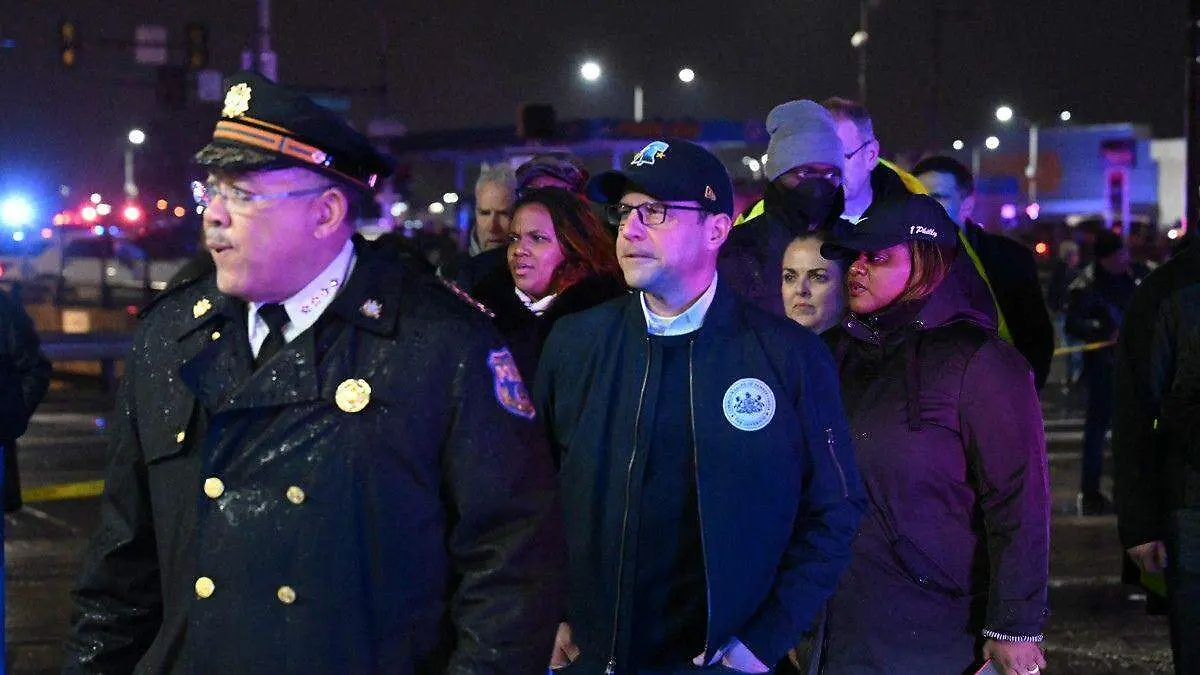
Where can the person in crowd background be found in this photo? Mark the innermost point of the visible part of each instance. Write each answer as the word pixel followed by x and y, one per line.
pixel 495 192
pixel 1156 433
pixel 954 551
pixel 561 260
pixel 1096 304
pixel 867 178
pixel 1066 268
pixel 804 165
pixel 708 482
pixel 814 287
pixel 24 378
pixel 1007 266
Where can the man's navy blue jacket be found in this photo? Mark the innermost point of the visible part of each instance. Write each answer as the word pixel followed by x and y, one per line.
pixel 779 506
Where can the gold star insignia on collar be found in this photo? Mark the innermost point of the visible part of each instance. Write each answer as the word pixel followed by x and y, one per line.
pixel 237 100
pixel 371 309
pixel 202 306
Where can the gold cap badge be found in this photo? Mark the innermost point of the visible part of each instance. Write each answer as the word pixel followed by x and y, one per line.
pixel 201 307
pixel 237 100
pixel 353 395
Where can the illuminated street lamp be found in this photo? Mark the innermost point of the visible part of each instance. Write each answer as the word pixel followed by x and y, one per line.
pixel 1005 114
pixel 136 138
pixel 992 142
pixel 958 144
pixel 1065 116
pixel 590 71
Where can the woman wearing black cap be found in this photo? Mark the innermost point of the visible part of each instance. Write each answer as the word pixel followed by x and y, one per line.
pixel 561 260
pixel 950 567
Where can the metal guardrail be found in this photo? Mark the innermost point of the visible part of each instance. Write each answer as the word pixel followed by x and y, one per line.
pixel 86 346
pixel 107 348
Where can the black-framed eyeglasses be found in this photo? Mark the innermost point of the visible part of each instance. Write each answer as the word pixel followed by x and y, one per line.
pixel 652 214
pixel 859 148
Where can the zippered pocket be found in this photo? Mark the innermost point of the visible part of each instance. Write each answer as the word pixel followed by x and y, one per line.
pixel 829 444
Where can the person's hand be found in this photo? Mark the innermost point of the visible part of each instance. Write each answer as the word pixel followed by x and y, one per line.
pixel 565 652
pixel 1015 658
pixel 740 658
pixel 1150 557
pixel 734 655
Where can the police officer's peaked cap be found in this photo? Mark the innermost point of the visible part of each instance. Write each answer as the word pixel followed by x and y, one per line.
pixel 264 125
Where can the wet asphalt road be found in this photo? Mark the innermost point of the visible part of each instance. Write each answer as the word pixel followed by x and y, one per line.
pixel 1099 626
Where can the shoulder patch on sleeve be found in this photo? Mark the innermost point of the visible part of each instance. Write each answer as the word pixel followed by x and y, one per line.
pixel 466 297
pixel 507 385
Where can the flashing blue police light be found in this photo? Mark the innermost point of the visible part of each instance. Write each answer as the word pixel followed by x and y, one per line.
pixel 16 211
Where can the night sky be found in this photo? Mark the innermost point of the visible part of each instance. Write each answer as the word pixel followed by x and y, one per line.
pixel 460 63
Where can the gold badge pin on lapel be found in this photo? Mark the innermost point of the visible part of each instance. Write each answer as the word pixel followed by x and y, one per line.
pixel 371 309
pixel 202 306
pixel 353 395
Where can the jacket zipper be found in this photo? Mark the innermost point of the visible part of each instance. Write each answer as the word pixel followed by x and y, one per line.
pixel 637 420
pixel 833 456
pixel 699 507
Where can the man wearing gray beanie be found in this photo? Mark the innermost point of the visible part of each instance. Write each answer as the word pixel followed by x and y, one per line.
pixel 804 163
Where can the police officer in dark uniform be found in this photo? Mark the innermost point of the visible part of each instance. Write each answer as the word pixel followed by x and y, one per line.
pixel 322 461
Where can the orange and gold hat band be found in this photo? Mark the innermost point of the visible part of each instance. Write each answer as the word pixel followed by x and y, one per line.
pixel 253 136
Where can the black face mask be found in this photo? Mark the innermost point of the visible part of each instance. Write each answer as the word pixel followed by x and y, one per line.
pixel 813 202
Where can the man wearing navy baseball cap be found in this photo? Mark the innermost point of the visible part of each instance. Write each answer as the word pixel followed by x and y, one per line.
pixel 688 419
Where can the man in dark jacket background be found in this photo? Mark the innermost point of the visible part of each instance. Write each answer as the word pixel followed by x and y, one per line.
pixel 1009 267
pixel 1156 441
pixel 710 490
pixel 322 461
pixel 24 377
pixel 1096 305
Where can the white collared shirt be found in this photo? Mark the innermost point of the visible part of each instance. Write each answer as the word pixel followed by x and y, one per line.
pixel 538 307
pixel 305 307
pixel 680 324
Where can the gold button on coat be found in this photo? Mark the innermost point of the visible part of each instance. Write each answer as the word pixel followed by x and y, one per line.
pixel 352 395
pixel 205 587
pixel 295 495
pixel 180 436
pixel 216 335
pixel 286 594
pixel 214 487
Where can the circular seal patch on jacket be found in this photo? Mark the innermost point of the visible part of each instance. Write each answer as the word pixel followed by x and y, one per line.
pixel 749 404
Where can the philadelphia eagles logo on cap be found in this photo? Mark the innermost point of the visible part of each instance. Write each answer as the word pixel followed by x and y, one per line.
pixel 650 153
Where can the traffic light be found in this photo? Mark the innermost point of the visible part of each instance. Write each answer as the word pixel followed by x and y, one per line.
pixel 68 38
pixel 197 46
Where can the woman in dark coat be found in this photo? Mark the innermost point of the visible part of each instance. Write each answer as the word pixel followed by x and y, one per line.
pixel 950 567
pixel 561 260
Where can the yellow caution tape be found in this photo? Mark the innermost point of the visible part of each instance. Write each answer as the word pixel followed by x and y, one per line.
pixel 51 493
pixel 1083 348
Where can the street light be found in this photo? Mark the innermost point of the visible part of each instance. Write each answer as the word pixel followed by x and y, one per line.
pixel 991 143
pixel 1005 114
pixel 136 138
pixel 958 144
pixel 590 71
pixel 1065 116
